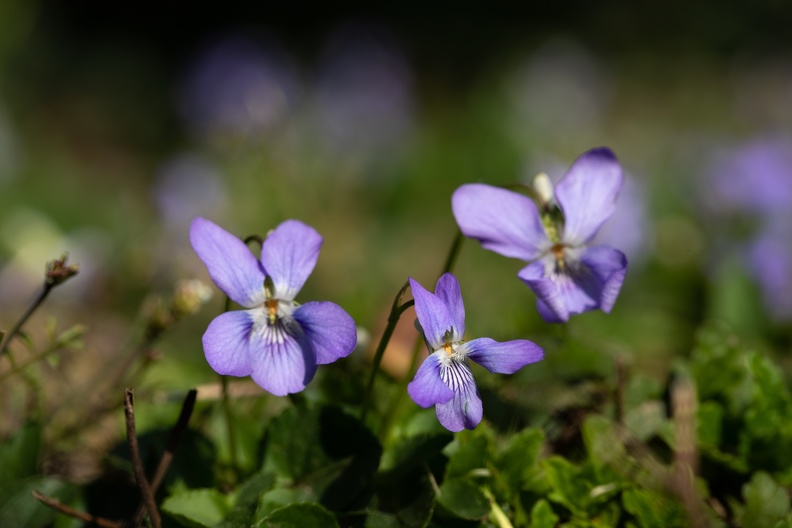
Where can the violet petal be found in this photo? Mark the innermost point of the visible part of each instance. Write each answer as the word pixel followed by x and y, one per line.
pixel 503 221
pixel 464 411
pixel 587 194
pixel 428 388
pixel 230 263
pixel 433 315
pixel 330 330
pixel 226 341
pixel 281 364
pixel 289 254
pixel 448 291
pixel 503 358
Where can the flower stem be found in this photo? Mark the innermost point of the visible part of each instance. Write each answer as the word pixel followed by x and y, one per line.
pixel 396 310
pixel 232 443
pixel 496 513
pixel 25 316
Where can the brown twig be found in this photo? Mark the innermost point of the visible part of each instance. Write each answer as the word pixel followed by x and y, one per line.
pixel 683 400
pixel 170 449
pixel 56 272
pixel 71 512
pixel 137 464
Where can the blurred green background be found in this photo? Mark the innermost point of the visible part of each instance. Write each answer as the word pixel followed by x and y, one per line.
pixel 119 123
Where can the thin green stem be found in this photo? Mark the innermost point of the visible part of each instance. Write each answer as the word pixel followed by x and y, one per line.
pixel 232 443
pixel 497 515
pixel 25 316
pixel 396 310
pixel 453 252
pixel 17 368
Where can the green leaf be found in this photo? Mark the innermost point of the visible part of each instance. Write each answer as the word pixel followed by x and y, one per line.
pixel 645 420
pixel 519 455
pixel 71 338
pixel 19 509
pixel 542 515
pixel 377 519
pixel 280 497
pixel 19 456
pixel 305 515
pixel 471 454
pixel 572 485
pixel 708 424
pixel 766 503
pixel 246 500
pixel 771 405
pixel 407 453
pixel 602 444
pixel 651 509
pixel 325 450
pixel 718 350
pixel 201 508
pixel 463 498
pixel 409 497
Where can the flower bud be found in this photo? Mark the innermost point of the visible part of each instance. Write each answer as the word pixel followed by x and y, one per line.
pixel 543 188
pixel 58 272
pixel 189 296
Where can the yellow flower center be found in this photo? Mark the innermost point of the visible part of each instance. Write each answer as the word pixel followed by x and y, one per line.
pixel 272 309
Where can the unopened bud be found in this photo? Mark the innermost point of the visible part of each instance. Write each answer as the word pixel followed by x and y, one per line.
pixel 543 188
pixel 58 271
pixel 189 296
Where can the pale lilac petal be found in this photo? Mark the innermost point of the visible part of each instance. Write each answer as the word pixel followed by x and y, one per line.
pixel 592 281
pixel 587 194
pixel 503 358
pixel 503 221
pixel 608 267
pixel 549 301
pixel 226 341
pixel 289 255
pixel 230 263
pixel 281 364
pixel 448 291
pixel 428 388
pixel 464 411
pixel 329 329
pixel 433 315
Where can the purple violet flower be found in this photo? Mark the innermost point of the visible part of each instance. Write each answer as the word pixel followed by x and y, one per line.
pixel 567 275
pixel 444 379
pixel 275 340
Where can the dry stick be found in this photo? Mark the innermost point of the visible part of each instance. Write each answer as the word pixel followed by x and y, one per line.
pixel 137 464
pixel 170 449
pixel 85 517
pixel 683 399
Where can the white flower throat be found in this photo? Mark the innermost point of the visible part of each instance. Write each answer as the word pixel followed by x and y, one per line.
pixel 453 348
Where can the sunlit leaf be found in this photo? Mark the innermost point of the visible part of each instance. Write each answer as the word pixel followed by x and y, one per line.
pixel 305 515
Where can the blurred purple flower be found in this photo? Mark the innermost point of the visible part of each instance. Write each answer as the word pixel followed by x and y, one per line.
pixel 628 228
pixel 187 186
pixel 770 261
pixel 755 177
pixel 444 379
pixel 238 87
pixel 561 87
pixel 567 275
pixel 364 90
pixel 275 341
